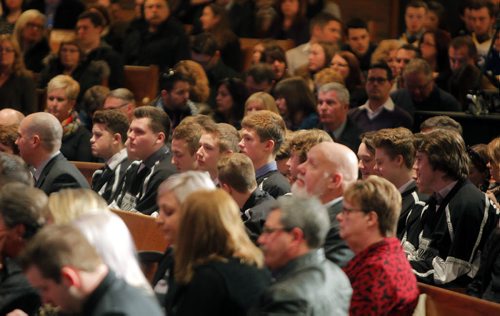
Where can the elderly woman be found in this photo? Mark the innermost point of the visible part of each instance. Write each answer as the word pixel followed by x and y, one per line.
pixel 62 92
pixel 216 264
pixel 17 88
pixel 171 194
pixel 381 277
pixel 21 215
pixel 29 32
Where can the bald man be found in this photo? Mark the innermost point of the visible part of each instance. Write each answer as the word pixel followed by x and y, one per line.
pixel 10 116
pixel 39 141
pixel 327 171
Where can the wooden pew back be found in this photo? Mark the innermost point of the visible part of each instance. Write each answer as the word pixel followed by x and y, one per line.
pixel 247 45
pixel 444 302
pixel 145 232
pixel 87 168
pixel 57 36
pixel 143 82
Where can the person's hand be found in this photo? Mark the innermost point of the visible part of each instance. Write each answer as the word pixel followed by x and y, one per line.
pixel 493 199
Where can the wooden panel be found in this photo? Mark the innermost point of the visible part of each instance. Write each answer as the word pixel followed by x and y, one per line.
pixel 247 45
pixel 143 82
pixel 57 36
pixel 381 15
pixel 145 232
pixel 87 168
pixel 444 302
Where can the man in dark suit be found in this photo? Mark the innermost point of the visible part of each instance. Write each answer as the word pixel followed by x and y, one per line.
pixel 237 177
pixel 327 171
pixel 39 141
pixel 333 106
pixel 148 132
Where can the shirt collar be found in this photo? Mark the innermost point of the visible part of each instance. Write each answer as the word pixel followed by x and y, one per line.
pixel 338 132
pixel 116 159
pixel 406 186
pixel 333 202
pixel 268 167
pixel 388 105
pixel 441 194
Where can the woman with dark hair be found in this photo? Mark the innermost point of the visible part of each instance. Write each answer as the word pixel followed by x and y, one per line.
pixel 479 174
pixel 291 22
pixel 11 10
pixel 275 55
pixel 296 104
pixel 230 100
pixel 348 66
pixel 214 20
pixel 218 270
pixel 70 61
pixel 434 48
pixel 17 88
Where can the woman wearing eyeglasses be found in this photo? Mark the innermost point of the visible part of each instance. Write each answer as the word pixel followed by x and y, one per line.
pixel 62 92
pixel 17 88
pixel 29 32
pixel 381 277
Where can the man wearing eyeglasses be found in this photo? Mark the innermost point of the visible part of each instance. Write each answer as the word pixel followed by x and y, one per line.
pixel 421 93
pixel 379 111
pixel 121 99
pixel 306 282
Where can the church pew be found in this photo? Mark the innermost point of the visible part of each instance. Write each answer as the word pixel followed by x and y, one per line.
pixel 57 36
pixel 145 232
pixel 87 168
pixel 444 302
pixel 247 45
pixel 142 81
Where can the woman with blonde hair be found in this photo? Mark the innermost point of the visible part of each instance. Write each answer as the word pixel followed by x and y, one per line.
pixel 66 205
pixel 386 51
pixel 260 101
pixel 217 267
pixel 29 32
pixel 17 88
pixel 62 93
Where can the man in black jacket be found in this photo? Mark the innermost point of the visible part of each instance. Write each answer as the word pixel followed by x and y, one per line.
pixel 147 135
pixel 39 142
pixel 157 39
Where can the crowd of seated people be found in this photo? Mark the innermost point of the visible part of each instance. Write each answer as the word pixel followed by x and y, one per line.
pixel 278 186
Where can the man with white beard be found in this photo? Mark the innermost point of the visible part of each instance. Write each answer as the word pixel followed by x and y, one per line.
pixel 328 170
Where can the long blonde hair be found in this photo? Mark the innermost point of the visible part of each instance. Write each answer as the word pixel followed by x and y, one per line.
pixel 18 68
pixel 211 229
pixel 67 205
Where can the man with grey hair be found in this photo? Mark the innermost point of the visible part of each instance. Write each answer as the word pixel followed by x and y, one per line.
pixel 14 169
pixel 333 106
pixel 39 143
pixel 121 99
pixel 21 215
pixel 326 173
pixel 10 116
pixel 306 282
pixel 420 92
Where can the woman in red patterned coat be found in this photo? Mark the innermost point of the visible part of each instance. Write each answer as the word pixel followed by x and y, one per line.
pixel 381 277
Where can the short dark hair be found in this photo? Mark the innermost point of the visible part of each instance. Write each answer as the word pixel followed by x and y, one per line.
pixel 479 4
pixel 418 54
pixel 94 16
pixel 417 4
pixel 190 133
pixel 170 77
pixel 159 120
pixel 355 23
pixel 204 43
pixel 261 73
pixel 396 141
pixel 14 169
pixel 115 121
pixel 323 18
pixel 465 41
pixel 382 65
pixel 237 171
